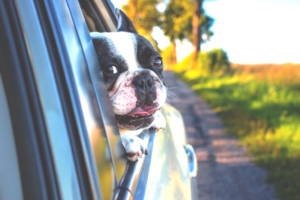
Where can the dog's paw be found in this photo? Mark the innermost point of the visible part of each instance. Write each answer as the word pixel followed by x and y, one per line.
pixel 159 122
pixel 134 147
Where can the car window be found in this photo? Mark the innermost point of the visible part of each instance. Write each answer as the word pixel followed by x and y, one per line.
pixel 39 77
pixel 99 16
pixel 63 73
pixel 92 97
pixel 165 167
pixel 10 184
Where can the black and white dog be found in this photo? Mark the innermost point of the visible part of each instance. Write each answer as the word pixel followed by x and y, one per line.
pixel 132 70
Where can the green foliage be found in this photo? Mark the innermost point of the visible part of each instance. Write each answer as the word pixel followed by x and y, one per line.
pixel 182 66
pixel 177 21
pixel 205 23
pixel 265 116
pixel 144 16
pixel 214 61
pixel 168 57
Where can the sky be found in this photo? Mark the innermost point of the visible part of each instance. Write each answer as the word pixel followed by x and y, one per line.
pixel 250 31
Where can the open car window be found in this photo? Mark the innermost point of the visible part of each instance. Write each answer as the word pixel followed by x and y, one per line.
pixel 100 16
pixel 95 118
pixel 165 167
pixel 68 117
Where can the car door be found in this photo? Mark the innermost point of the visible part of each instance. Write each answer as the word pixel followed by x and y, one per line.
pixel 37 127
pixel 55 120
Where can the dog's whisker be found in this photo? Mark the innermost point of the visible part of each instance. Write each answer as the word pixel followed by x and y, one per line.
pixel 169 88
pixel 167 100
pixel 172 95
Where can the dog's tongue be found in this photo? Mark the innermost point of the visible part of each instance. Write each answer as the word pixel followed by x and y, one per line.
pixel 143 111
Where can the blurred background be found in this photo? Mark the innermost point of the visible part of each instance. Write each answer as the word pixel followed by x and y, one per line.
pixel 243 58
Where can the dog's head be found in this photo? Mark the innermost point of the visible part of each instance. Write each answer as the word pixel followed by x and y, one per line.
pixel 132 70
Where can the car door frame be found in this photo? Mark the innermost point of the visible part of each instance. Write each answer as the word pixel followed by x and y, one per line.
pixel 37 138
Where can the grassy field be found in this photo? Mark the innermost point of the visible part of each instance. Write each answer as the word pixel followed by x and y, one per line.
pixel 261 106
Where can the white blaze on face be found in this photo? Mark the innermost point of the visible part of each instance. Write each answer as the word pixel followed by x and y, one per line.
pixel 125 45
pixel 123 97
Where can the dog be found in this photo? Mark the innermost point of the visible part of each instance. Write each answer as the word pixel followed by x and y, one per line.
pixel 132 71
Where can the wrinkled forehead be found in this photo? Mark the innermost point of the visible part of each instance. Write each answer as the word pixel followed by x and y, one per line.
pixel 122 45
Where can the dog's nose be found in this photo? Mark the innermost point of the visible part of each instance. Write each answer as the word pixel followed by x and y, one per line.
pixel 143 83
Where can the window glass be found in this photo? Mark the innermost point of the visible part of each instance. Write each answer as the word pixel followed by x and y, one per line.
pixel 97 109
pixel 10 180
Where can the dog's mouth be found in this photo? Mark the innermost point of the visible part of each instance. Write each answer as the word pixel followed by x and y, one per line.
pixel 138 118
pixel 143 111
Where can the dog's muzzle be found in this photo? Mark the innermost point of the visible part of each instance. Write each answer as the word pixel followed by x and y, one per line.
pixel 146 89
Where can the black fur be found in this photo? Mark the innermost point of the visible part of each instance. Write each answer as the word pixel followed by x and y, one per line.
pixel 146 55
pixel 145 89
pixel 124 23
pixel 104 53
pixel 146 52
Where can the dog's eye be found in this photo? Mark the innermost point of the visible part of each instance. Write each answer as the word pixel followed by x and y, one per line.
pixel 157 62
pixel 111 70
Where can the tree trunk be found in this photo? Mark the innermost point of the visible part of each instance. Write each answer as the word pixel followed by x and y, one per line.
pixel 196 30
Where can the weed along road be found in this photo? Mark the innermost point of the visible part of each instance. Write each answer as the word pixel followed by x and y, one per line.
pixel 225 172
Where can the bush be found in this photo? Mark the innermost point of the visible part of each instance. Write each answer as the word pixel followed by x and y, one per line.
pixel 214 61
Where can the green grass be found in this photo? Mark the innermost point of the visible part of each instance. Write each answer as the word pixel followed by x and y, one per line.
pixel 265 116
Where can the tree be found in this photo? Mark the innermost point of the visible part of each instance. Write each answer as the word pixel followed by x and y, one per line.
pixel 176 22
pixel 201 26
pixel 144 16
pixel 187 20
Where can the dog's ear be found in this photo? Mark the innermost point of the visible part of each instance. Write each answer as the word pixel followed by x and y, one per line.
pixel 124 23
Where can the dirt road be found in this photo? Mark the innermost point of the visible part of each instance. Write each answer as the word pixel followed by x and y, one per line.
pixel 225 172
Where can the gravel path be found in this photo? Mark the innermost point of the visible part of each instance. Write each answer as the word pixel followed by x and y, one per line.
pixel 225 172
